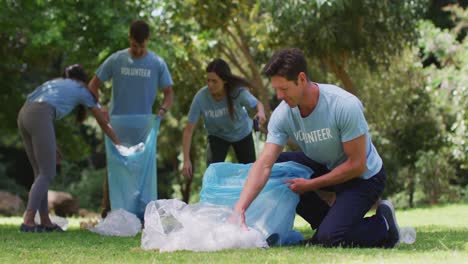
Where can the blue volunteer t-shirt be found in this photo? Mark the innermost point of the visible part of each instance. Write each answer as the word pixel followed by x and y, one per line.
pixel 63 95
pixel 216 116
pixel 337 118
pixel 134 81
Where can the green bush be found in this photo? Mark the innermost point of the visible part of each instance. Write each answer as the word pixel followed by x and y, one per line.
pixel 436 177
pixel 8 184
pixel 89 189
pixel 68 174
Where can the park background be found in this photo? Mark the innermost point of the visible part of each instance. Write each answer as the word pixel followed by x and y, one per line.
pixel 406 60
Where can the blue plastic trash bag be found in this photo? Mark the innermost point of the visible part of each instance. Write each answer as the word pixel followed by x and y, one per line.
pixel 273 210
pixel 132 178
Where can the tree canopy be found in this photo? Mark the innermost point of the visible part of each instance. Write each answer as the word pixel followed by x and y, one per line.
pixel 409 73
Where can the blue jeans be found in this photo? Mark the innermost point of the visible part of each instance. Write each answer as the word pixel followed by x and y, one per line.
pixel 343 223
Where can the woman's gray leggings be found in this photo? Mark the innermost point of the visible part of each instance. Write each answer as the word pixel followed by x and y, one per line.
pixel 36 126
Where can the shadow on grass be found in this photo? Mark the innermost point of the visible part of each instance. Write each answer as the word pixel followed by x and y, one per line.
pixel 428 239
pixel 440 239
pixel 73 238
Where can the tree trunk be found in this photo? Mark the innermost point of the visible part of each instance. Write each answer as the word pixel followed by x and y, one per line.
pixel 340 72
pixel 411 187
pixel 434 198
pixel 241 43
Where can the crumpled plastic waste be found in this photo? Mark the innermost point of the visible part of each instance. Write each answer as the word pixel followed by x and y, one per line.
pixel 172 225
pixel 407 235
pixel 127 151
pixel 118 223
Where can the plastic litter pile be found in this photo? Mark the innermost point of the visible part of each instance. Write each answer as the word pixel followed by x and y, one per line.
pixel 118 223
pixel 211 225
pixel 172 225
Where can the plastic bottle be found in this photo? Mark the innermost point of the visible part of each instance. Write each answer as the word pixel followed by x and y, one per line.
pixel 407 235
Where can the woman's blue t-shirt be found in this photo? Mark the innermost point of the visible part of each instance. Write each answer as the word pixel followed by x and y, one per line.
pixel 216 116
pixel 63 95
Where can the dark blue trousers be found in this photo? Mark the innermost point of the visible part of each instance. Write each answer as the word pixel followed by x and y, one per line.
pixel 218 148
pixel 343 223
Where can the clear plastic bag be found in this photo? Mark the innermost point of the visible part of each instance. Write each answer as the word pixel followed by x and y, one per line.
pixel 172 225
pixel 118 223
pixel 132 172
pixel 128 151
pixel 407 235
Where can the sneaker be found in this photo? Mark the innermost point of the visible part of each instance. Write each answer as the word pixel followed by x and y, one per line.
pixel 54 228
pixel 25 228
pixel 386 210
pixel 272 240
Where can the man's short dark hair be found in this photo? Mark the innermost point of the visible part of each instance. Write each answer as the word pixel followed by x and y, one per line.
pixel 287 63
pixel 139 31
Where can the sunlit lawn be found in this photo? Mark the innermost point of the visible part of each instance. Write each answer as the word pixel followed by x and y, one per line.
pixel 442 237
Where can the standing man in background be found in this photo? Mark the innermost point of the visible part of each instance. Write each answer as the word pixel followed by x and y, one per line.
pixel 136 73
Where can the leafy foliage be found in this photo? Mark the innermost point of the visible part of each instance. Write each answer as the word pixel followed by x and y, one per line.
pixel 410 74
pixel 446 81
pixel 337 31
pixel 436 175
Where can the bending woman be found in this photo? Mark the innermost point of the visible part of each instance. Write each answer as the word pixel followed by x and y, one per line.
pixel 52 100
pixel 222 104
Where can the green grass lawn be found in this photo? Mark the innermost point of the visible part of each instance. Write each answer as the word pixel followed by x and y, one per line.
pixel 442 237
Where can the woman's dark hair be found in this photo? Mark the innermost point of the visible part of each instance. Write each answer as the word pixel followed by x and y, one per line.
pixel 77 73
pixel 221 68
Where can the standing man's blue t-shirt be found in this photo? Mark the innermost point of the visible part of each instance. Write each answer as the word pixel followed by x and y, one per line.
pixel 134 81
pixel 63 95
pixel 216 116
pixel 337 118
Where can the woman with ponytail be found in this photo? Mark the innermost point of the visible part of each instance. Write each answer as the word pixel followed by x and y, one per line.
pixel 52 101
pixel 222 104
